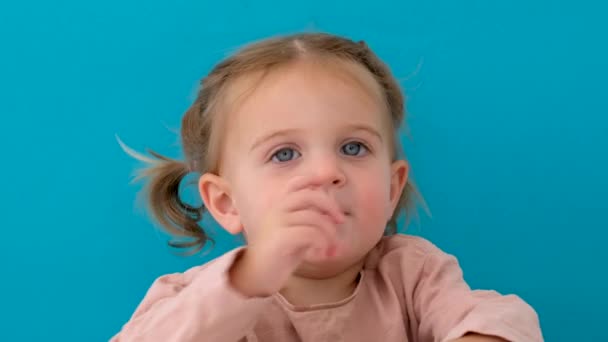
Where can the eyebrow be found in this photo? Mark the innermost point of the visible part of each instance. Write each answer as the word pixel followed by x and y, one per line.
pixel 354 127
pixel 368 129
pixel 271 136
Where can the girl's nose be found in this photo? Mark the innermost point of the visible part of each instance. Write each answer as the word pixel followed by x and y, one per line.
pixel 327 172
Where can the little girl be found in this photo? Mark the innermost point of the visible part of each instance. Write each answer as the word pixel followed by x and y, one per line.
pixel 296 141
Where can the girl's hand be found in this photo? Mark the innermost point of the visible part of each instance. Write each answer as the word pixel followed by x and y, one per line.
pixel 304 226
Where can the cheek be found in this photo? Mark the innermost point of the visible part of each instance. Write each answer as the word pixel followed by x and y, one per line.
pixel 373 194
pixel 375 202
pixel 253 199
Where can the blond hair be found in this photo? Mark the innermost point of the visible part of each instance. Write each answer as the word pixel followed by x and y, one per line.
pixel 199 134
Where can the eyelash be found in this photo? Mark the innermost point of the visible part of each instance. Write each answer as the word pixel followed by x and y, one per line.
pixel 361 144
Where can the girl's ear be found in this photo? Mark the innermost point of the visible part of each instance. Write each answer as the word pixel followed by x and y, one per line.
pixel 399 176
pixel 216 195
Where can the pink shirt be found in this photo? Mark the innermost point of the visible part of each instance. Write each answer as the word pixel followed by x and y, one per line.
pixel 409 291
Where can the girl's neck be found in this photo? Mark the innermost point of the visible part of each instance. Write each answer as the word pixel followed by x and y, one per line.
pixel 305 291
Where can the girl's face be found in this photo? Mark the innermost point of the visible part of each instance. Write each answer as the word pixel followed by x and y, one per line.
pixel 326 123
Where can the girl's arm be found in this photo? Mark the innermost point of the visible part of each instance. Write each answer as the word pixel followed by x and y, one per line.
pixel 198 305
pixel 447 309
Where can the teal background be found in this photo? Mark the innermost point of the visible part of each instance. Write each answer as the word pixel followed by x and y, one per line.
pixel 508 117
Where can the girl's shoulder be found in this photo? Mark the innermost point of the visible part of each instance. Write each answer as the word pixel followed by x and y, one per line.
pixel 412 242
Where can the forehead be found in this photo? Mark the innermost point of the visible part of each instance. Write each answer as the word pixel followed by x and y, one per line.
pixel 299 90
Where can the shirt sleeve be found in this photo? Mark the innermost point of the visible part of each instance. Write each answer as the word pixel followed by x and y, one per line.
pixel 198 305
pixel 448 309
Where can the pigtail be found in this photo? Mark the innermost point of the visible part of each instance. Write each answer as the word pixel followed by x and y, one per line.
pixel 163 177
pixel 408 204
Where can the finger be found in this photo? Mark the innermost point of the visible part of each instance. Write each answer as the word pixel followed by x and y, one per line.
pixel 297 183
pixel 319 200
pixel 324 231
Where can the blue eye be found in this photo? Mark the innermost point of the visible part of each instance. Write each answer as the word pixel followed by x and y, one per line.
pixel 285 154
pixel 354 149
